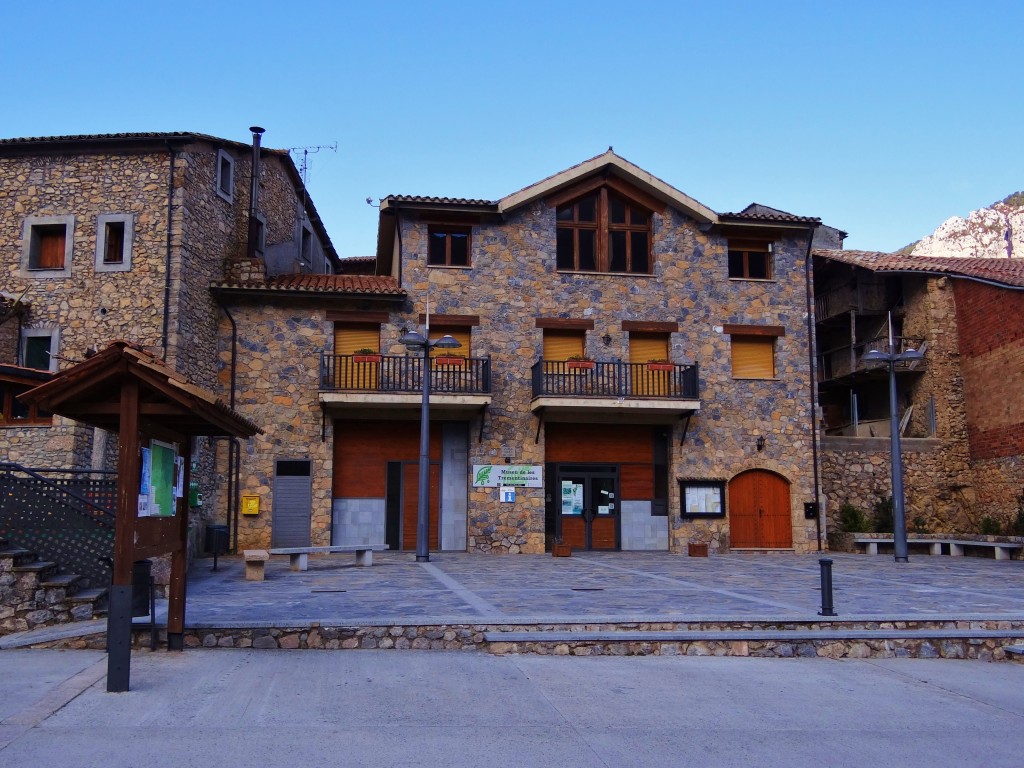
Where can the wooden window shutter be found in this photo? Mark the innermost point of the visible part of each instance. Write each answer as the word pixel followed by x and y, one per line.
pixel 461 335
pixel 51 248
pixel 753 357
pixel 348 337
pixel 561 345
pixel 644 347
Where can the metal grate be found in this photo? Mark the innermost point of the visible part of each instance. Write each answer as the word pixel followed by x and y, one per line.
pixel 61 520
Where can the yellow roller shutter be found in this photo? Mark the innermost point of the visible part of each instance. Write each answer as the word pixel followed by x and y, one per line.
pixel 644 347
pixel 753 357
pixel 348 337
pixel 561 345
pixel 461 335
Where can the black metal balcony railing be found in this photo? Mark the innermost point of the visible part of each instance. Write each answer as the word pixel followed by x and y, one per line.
pixel 631 380
pixel 398 373
pixel 842 361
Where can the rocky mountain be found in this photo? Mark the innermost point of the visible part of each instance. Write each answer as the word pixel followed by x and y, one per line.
pixel 993 232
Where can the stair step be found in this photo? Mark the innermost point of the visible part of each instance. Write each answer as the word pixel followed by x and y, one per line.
pixel 776 635
pixel 15 552
pixel 39 566
pixel 61 580
pixel 87 595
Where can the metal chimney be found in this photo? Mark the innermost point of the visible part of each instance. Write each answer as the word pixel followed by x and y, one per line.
pixel 254 192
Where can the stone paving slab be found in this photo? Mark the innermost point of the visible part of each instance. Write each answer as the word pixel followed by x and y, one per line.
pixel 624 586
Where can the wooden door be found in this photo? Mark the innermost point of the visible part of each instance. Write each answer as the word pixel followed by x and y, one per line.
pixel 759 511
pixel 410 505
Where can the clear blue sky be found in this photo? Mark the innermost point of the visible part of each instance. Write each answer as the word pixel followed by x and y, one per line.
pixel 882 118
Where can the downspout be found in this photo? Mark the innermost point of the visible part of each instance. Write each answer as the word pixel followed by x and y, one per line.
pixel 398 229
pixel 234 450
pixel 167 262
pixel 813 381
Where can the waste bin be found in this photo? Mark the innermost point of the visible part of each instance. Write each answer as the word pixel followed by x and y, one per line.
pixel 216 539
pixel 142 585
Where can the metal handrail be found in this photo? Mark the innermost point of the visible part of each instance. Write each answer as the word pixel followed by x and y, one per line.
pixel 400 373
pixel 615 379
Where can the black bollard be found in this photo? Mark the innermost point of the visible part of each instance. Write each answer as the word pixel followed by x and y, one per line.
pixel 826 588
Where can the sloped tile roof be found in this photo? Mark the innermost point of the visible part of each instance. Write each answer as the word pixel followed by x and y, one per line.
pixel 1009 272
pixel 340 284
pixel 437 200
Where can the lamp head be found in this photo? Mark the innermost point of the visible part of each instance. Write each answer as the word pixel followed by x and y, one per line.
pixel 876 356
pixel 413 340
pixel 910 354
pixel 446 342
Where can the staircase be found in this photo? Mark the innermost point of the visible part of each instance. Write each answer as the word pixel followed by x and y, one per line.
pixel 33 594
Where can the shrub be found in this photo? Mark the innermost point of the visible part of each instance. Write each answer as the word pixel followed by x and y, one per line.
pixel 881 521
pixel 990 526
pixel 919 525
pixel 1017 524
pixel 851 519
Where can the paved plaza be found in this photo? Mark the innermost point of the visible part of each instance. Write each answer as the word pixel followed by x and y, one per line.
pixel 423 708
pixel 613 587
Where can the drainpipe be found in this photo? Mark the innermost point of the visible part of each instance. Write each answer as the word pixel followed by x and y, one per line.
pixel 813 378
pixel 234 449
pixel 254 192
pixel 398 229
pixel 167 262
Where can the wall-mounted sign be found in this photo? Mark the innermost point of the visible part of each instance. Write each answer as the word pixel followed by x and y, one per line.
pixel 493 475
pixel 702 498
pixel 250 505
pixel 508 494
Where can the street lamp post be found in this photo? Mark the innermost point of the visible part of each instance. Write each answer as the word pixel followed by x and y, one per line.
pixel 418 341
pixel 899 517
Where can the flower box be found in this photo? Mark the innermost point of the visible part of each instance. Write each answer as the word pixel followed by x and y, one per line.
pixel 579 365
pixel 660 366
pixel 456 362
pixel 697 550
pixel 561 550
pixel 366 358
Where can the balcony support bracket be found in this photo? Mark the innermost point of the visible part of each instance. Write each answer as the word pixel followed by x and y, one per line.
pixel 685 421
pixel 540 423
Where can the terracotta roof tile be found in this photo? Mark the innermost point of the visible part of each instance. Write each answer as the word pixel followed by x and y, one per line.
pixel 437 200
pixel 305 283
pixel 1009 272
pixel 780 216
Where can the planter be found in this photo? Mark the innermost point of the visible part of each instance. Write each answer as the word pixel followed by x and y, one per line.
pixel 452 362
pixel 579 365
pixel 697 550
pixel 561 550
pixel 661 366
pixel 366 358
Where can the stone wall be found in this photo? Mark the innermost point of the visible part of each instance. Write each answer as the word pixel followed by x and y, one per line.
pixel 513 281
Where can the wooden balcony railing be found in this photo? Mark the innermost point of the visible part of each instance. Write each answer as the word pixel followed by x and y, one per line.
pixel 842 361
pixel 629 380
pixel 398 373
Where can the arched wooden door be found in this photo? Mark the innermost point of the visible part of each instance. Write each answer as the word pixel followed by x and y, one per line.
pixel 759 512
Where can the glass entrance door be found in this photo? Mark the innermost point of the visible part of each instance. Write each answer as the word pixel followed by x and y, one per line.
pixel 588 507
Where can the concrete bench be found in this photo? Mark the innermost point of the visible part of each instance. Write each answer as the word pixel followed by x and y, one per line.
pixel 1003 550
pixel 299 556
pixel 255 560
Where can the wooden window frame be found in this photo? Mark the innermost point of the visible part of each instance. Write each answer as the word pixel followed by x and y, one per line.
pixel 103 243
pixel 33 231
pixel 603 227
pixel 767 340
pixel 448 230
pixel 224 176
pixel 744 249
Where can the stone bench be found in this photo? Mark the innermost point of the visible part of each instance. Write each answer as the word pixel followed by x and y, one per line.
pixel 299 556
pixel 255 560
pixel 1003 550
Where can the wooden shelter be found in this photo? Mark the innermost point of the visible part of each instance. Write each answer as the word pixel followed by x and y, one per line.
pixel 124 390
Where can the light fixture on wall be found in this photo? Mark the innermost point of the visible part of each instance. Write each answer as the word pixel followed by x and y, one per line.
pixel 607 339
pixel 760 443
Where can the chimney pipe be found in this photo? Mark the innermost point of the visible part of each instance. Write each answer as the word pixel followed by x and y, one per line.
pixel 254 191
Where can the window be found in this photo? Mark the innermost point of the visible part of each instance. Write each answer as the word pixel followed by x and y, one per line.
pixel 603 232
pixel 449 246
pixel 352 370
pixel 114 232
pixel 750 260
pixel 14 412
pixel 225 175
pixel 646 349
pixel 306 247
pixel 47 245
pixel 261 234
pixel 753 357
pixel 461 334
pixel 560 345
pixel 38 348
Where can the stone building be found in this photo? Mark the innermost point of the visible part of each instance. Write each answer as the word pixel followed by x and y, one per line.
pixel 633 374
pixel 107 237
pixel 961 424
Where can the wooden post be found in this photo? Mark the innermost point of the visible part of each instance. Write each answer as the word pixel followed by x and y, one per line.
pixel 119 618
pixel 179 562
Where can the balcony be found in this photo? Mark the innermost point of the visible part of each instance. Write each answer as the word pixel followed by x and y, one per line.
pixel 382 383
pixel 847 363
pixel 637 392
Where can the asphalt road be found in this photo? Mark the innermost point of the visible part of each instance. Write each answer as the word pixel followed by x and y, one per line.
pixel 248 708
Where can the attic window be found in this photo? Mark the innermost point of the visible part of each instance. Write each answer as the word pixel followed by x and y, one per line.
pixel 225 175
pixel 750 260
pixel 449 245
pixel 603 232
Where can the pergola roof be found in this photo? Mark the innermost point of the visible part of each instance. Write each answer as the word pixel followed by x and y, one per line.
pixel 90 392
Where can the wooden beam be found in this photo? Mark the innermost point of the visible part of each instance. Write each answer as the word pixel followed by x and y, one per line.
pixel 753 330
pixel 565 323
pixel 645 326
pixel 351 316
pixel 452 321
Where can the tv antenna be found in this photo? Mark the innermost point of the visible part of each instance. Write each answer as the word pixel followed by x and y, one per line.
pixel 303 159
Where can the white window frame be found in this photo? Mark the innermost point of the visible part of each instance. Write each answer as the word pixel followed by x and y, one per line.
pixel 50 331
pixel 128 219
pixel 230 194
pixel 28 242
